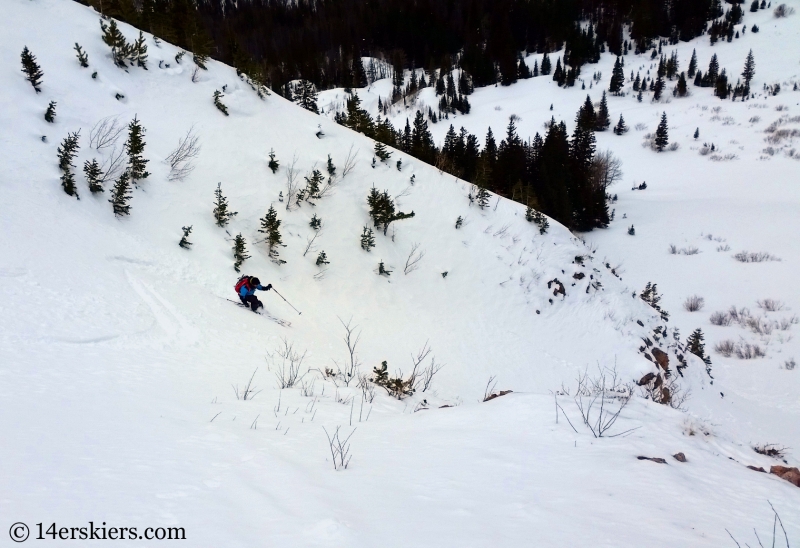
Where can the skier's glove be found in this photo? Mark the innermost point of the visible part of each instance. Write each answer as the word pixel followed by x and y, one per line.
pixel 269 286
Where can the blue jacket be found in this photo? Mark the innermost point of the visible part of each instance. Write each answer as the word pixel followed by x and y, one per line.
pixel 244 292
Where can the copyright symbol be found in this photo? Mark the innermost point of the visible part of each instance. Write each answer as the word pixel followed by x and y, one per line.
pixel 19 532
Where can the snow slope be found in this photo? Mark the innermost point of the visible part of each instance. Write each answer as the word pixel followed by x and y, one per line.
pixel 118 348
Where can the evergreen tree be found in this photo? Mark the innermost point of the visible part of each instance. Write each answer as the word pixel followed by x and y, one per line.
pixel 313 185
pixel 185 243
pixel 681 89
pixel 382 270
pixel 94 176
pixel 602 121
pixel 382 209
pixel 113 38
pixel 620 128
pixel 658 89
pixel 273 163
pixel 121 195
pixel 221 214
pixel 367 239
pixel 270 225
pixel 381 152
pixel 692 65
pixel 322 258
pixel 50 113
pixel 545 64
pixel 139 52
pixel 239 252
pixel 662 135
pixel 697 133
pixel 721 88
pixel 482 197
pixel 696 345
pixel 135 148
pixel 33 73
pixel 218 102
pixel 748 72
pixel 330 167
pixel 83 58
pixel 586 118
pixel 617 78
pixel 306 96
pixel 316 222
pixel 712 73
pixel 66 154
pixel 459 222
pixel 652 298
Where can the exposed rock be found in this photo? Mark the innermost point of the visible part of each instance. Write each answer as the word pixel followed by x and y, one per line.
pixel 579 275
pixel 647 379
pixel 792 475
pixel 659 460
pixel 680 457
pixel 662 359
pixel 640 322
pixel 756 468
pixel 497 394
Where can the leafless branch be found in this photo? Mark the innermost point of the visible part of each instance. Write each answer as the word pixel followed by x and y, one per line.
pixel 248 392
pixel 349 161
pixel 352 364
pixel 180 159
pixel 292 183
pixel 340 449
pixel 310 241
pixel 288 371
pixel 412 262
pixel 113 165
pixel 105 133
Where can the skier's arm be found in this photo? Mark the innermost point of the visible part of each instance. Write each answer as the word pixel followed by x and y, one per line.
pixel 264 288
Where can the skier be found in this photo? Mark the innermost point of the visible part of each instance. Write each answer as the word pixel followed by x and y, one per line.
pixel 246 288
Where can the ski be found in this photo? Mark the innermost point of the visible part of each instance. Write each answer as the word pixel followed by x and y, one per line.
pixel 261 312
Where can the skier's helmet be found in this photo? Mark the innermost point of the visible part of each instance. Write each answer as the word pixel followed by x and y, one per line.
pixel 255 281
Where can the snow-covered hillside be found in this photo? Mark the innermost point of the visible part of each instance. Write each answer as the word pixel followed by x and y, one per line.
pixel 118 349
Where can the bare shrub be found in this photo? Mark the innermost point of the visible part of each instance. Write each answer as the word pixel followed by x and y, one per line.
pixel 783 11
pixel 784 324
pixel 287 372
pixel 755 119
pixel 725 348
pixel 640 127
pixel 349 161
pixel 691 250
pixel 759 326
pixel 755 257
pixel 292 183
pixel 105 133
pixel 414 258
pixel 770 450
pixel 747 351
pixel 608 396
pixel 606 169
pixel 776 520
pixel 367 388
pixel 181 160
pixel 705 150
pixel 672 147
pixel 673 249
pixel 340 448
pixel 307 388
pixel 721 318
pixel 348 371
pixel 113 165
pixel 770 305
pixel 694 303
pixel 789 364
pixel 725 247
pixel 249 391
pixel 739 316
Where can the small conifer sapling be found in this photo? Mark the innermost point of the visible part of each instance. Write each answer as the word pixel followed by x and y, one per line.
pixel 135 148
pixel 66 154
pixel 222 215
pixel 83 58
pixel 185 243
pixel 381 152
pixel 121 195
pixel 459 222
pixel 322 259
pixel 620 128
pixel 382 270
pixel 33 73
pixel 662 134
pixel 482 197
pixel 316 222
pixel 50 113
pixel 270 226
pixel 367 239
pixel 273 163
pixel 94 176
pixel 218 102
pixel 239 252
pixel 330 167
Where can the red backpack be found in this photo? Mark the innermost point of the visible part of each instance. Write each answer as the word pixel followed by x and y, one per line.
pixel 244 281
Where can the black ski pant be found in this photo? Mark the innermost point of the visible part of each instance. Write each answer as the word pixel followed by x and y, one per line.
pixel 251 301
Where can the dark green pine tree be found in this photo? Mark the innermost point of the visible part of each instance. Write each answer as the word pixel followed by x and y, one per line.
pixel 330 167
pixel 135 148
pixel 682 88
pixel 113 38
pixel 139 52
pixel 712 73
pixel 602 121
pixel 662 134
pixel 620 128
pixel 696 345
pixel 50 113
pixel 94 176
pixel 222 215
pixel 33 73
pixel 586 117
pixel 546 66
pixel 83 58
pixel 270 226
pixel 721 87
pixel 273 163
pixel 239 252
pixel 381 152
pixel 66 154
pixel 322 259
pixel 306 96
pixel 218 102
pixel 617 78
pixel 697 133
pixel 121 195
pixel 749 71
pixel 185 243
pixel 482 197
pixel 367 239
pixel 313 185
pixel 658 89
pixel 316 222
pixel 692 65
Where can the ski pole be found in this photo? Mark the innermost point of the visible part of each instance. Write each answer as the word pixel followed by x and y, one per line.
pixel 287 302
